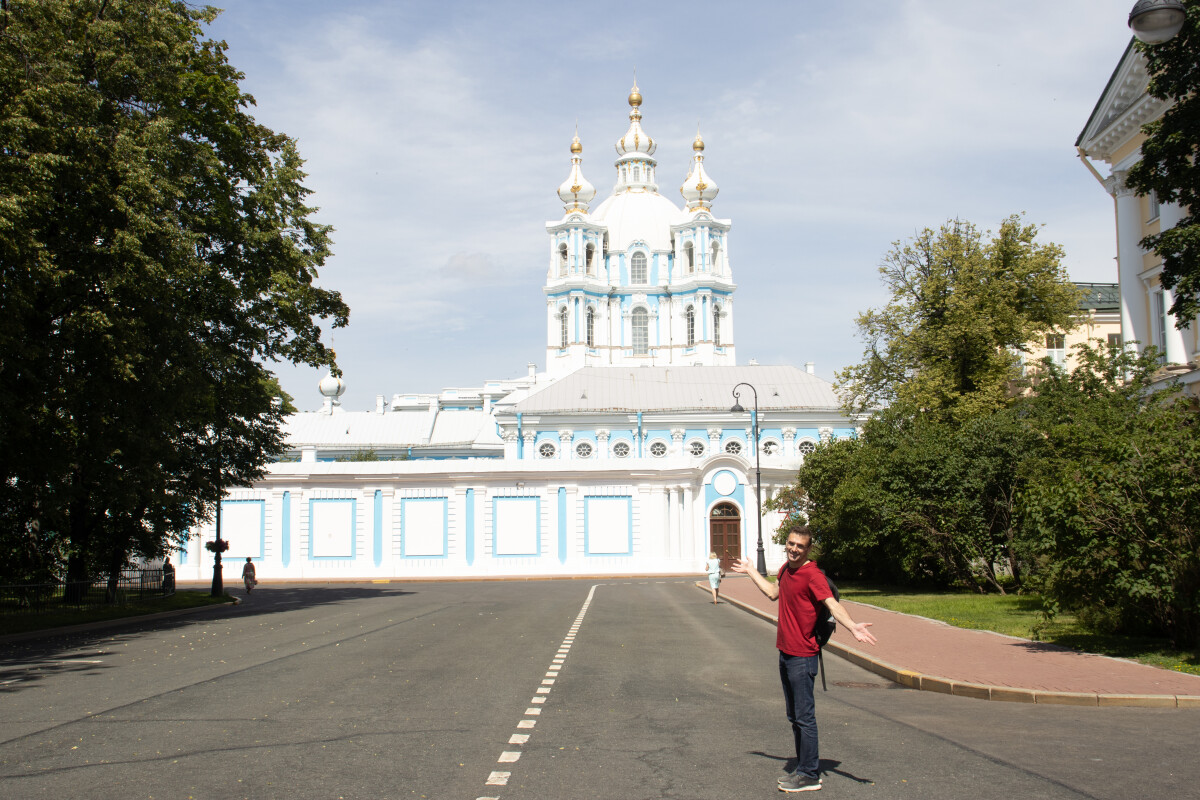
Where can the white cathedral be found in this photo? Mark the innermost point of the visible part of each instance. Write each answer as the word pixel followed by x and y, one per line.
pixel 622 458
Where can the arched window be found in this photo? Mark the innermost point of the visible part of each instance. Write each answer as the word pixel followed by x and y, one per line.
pixel 715 266
pixel 641 332
pixel 689 255
pixel 591 327
pixel 716 326
pixel 637 268
pixel 691 325
pixel 591 259
pixel 562 327
pixel 562 259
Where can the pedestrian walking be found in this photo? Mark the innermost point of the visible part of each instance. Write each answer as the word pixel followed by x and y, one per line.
pixel 800 588
pixel 168 576
pixel 248 575
pixel 715 573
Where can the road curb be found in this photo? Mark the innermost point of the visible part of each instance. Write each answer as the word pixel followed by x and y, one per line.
pixel 978 691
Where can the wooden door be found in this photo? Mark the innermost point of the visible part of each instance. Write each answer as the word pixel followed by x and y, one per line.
pixel 725 534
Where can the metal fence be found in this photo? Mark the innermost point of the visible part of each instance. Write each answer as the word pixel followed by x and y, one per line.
pixel 133 586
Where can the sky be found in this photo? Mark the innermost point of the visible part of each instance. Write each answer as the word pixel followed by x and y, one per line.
pixel 436 134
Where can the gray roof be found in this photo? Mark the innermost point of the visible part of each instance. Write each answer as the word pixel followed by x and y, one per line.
pixel 623 389
pixel 1100 296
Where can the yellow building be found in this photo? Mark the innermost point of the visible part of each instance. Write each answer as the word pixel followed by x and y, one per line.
pixel 1099 318
pixel 1113 135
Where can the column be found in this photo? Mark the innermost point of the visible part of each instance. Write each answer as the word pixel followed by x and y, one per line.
pixel 1134 321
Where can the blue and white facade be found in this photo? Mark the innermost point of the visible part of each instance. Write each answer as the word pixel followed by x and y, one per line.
pixel 621 458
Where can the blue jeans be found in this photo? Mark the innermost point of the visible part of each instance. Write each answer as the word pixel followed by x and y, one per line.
pixel 798 674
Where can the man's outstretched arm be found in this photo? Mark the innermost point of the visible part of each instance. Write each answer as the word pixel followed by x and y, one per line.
pixel 744 566
pixel 857 629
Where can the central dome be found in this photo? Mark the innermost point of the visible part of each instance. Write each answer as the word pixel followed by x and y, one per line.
pixel 638 216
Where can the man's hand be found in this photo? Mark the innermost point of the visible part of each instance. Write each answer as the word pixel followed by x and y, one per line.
pixel 743 566
pixel 860 632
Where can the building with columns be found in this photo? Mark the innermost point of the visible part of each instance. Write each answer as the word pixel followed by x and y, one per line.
pixel 622 457
pixel 1113 135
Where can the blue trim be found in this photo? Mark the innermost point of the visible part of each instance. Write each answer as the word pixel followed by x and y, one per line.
pixel 353 528
pixel 378 527
pixel 470 527
pixel 562 524
pixel 639 435
pixel 537 515
pixel 285 536
pixel 520 438
pixel 587 521
pixel 404 526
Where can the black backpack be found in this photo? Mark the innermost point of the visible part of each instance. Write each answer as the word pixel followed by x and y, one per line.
pixel 826 624
pixel 825 627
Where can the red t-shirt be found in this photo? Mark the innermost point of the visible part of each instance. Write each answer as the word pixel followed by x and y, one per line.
pixel 800 592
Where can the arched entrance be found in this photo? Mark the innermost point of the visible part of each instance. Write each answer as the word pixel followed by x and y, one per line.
pixel 725 534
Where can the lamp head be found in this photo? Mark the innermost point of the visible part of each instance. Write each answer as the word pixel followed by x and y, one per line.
pixel 1156 21
pixel 737 409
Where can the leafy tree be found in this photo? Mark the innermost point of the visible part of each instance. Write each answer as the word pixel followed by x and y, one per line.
pixel 1170 163
pixel 156 252
pixel 964 304
pixel 1111 501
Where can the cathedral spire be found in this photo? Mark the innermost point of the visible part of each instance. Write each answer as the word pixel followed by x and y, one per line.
pixel 635 167
pixel 576 192
pixel 698 189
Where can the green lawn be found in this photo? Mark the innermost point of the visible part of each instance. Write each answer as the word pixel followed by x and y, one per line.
pixel 1020 615
pixel 24 622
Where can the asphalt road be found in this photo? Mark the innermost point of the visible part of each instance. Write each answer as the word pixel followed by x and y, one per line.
pixel 547 689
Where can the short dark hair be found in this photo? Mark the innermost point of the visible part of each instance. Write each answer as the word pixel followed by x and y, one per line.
pixel 800 530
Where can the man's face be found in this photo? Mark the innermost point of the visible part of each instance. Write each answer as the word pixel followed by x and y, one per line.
pixel 797 547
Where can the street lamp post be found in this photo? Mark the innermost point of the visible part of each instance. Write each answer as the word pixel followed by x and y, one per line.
pixel 737 409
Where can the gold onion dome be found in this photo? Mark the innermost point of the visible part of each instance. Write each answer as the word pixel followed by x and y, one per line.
pixel 635 139
pixel 698 189
pixel 576 191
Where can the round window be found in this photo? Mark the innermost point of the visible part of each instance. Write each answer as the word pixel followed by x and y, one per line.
pixel 621 449
pixel 696 448
pixel 658 449
pixel 733 447
pixel 806 447
pixel 546 450
pixel 583 450
pixel 770 448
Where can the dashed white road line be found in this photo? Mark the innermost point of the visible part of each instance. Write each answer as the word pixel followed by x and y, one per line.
pixel 500 778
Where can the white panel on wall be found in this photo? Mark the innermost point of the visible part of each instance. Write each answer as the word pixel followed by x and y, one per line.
pixel 516 526
pixel 242 526
pixel 331 528
pixel 608 520
pixel 424 524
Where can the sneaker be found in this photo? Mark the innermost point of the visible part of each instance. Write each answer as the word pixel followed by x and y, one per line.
pixel 800 783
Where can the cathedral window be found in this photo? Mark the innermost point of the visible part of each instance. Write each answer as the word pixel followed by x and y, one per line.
pixel 583 450
pixel 716 326
pixel 658 449
pixel 689 255
pixel 562 259
pixel 806 447
pixel 770 448
pixel 637 268
pixel 641 332
pixel 562 326
pixel 546 450
pixel 696 448
pixel 591 327
pixel 714 267
pixel 591 259
pixel 733 447
pixel 621 449
pixel 691 326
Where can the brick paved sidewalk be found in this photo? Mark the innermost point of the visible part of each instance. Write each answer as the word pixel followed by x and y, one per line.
pixel 932 655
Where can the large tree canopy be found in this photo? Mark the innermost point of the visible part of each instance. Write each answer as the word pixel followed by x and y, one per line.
pixel 964 305
pixel 156 253
pixel 1170 163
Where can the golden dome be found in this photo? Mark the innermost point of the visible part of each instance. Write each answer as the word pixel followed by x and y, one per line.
pixel 698 143
pixel 576 147
pixel 635 97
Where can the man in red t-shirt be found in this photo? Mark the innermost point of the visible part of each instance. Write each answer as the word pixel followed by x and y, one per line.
pixel 800 589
